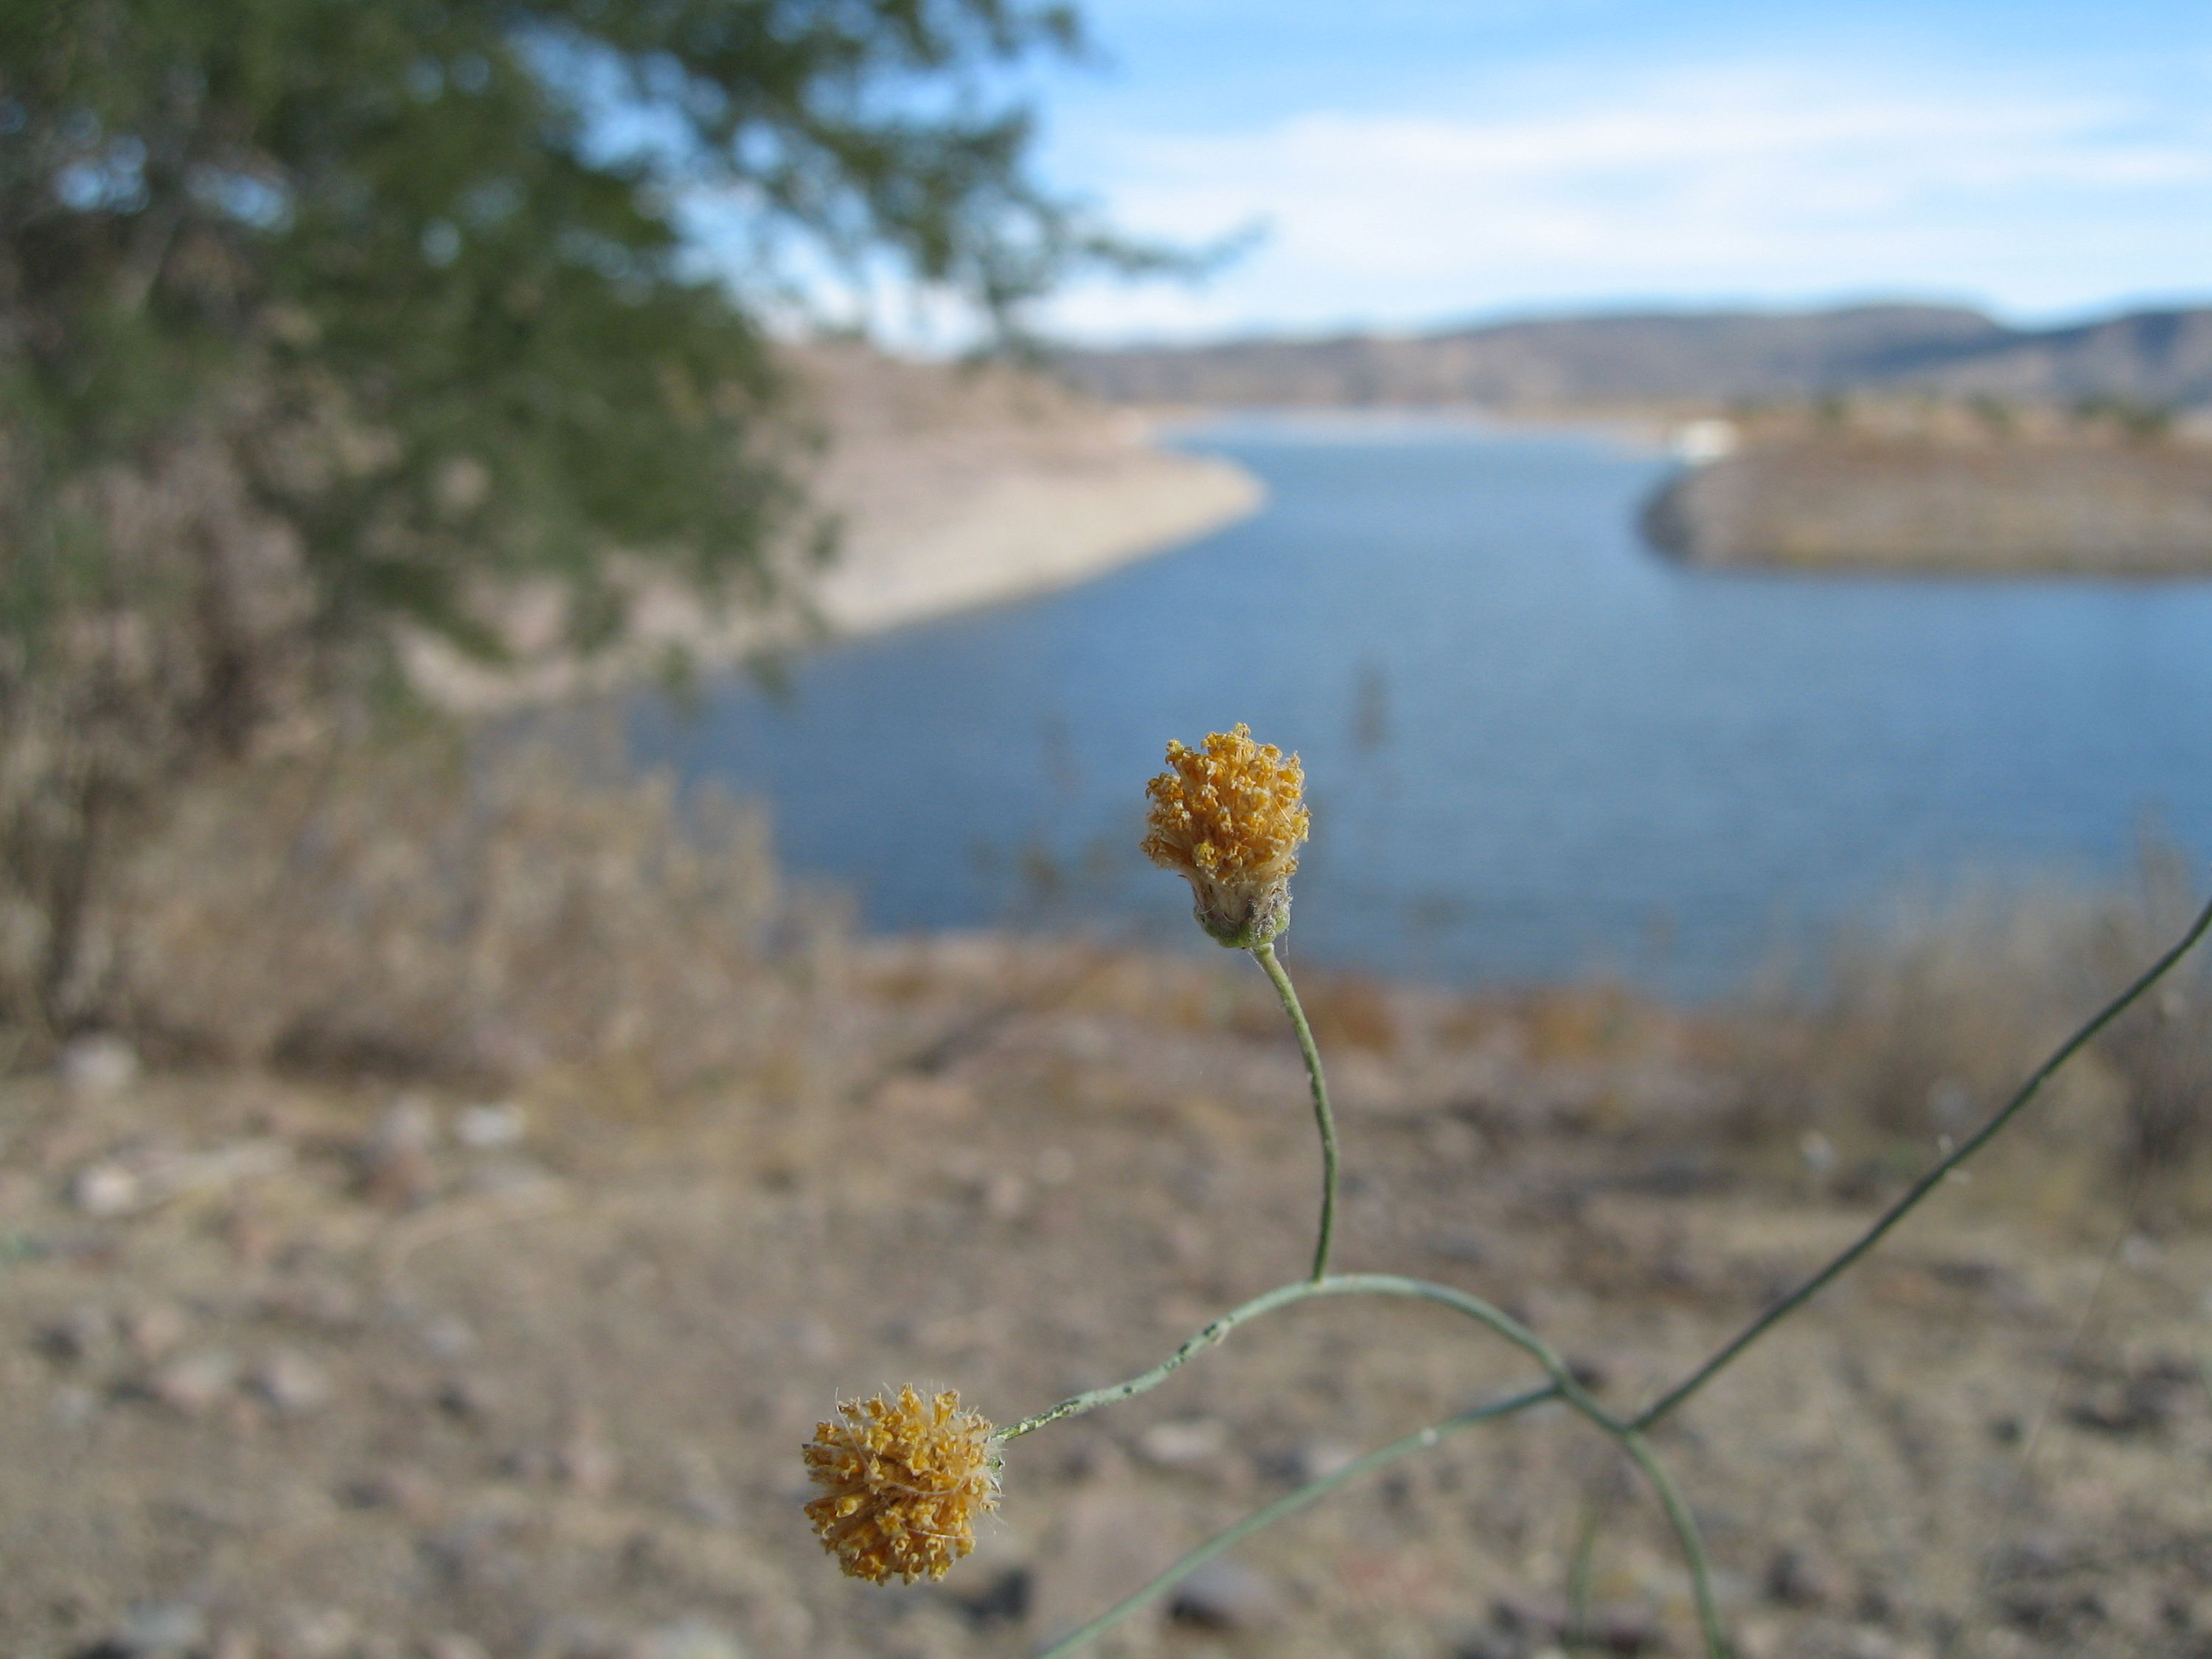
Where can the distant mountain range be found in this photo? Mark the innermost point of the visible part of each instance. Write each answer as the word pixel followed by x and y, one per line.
pixel 2162 358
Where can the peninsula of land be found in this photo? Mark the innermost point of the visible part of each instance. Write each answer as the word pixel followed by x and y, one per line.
pixel 946 488
pixel 965 487
pixel 1975 490
pixel 1894 437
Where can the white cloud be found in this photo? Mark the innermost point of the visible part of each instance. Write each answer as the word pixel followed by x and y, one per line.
pixel 1761 183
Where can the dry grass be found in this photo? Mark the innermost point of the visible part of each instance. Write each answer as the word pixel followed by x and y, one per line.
pixel 1916 1025
pixel 419 907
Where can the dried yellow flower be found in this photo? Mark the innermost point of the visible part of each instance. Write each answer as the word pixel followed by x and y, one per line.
pixel 903 1480
pixel 1228 817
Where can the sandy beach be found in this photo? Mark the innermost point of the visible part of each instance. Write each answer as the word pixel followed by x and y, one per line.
pixel 952 488
pixel 1029 532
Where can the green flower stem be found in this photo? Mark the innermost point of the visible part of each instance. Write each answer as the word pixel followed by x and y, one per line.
pixel 1928 1182
pixel 1324 1120
pixel 1290 1504
pixel 1563 1380
pixel 1115 1393
pixel 1563 1387
pixel 1685 1533
pixel 1576 1637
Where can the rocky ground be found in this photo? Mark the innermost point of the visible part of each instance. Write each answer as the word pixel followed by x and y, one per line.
pixel 307 1369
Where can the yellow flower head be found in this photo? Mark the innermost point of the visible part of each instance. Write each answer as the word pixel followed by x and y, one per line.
pixel 1227 818
pixel 902 1481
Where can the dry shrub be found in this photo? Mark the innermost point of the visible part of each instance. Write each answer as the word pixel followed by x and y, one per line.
pixel 169 628
pixel 1596 1022
pixel 1915 1029
pixel 423 907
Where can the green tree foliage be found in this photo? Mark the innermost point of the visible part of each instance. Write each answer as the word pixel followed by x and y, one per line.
pixel 317 316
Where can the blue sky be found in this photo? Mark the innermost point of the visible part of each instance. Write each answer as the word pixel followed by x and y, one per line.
pixel 1422 162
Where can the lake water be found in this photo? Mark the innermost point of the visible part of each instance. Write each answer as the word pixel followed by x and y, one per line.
pixel 1532 748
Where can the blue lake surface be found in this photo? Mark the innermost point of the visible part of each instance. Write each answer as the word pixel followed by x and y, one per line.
pixel 1534 748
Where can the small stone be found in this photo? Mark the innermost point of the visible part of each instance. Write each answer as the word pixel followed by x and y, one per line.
pixel 1819 1153
pixel 315 1633
pixel 451 1644
pixel 1180 1444
pixel 1539 1618
pixel 1225 1596
pixel 294 1385
pixel 194 1383
pixel 1624 1630
pixel 394 1162
pixel 1007 1196
pixel 530 1461
pixel 78 1335
pixel 403 1489
pixel 576 1638
pixel 1459 1244
pixel 586 1460
pixel 251 1239
pixel 518 1179
pixel 154 1332
pixel 1002 1599
pixel 107 1191
pixel 73 1407
pixel 1319 1459
pixel 448 1337
pixel 469 1398
pixel 167 1627
pixel 1591 1374
pixel 937 1099
pixel 98 1065
pixel 689 1638
pixel 325 1305
pixel 1796 1579
pixel 215 1173
pixel 2133 1404
pixel 482 1127
pixel 410 1126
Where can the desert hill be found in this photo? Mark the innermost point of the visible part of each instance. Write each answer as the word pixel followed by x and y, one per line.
pixel 2160 357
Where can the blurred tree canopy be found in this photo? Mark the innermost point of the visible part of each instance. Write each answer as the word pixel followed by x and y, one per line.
pixel 316 315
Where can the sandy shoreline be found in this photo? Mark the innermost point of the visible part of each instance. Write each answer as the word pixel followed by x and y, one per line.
pixel 953 490
pixel 1029 532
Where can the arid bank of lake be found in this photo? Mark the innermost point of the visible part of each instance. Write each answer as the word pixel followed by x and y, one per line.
pixel 1534 748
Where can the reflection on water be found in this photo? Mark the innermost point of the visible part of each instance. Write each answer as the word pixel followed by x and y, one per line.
pixel 1532 748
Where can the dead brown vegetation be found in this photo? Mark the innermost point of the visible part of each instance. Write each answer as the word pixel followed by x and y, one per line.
pixel 424 907
pixel 1915 1024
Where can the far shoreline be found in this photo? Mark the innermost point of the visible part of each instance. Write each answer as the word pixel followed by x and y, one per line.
pixel 1650 433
